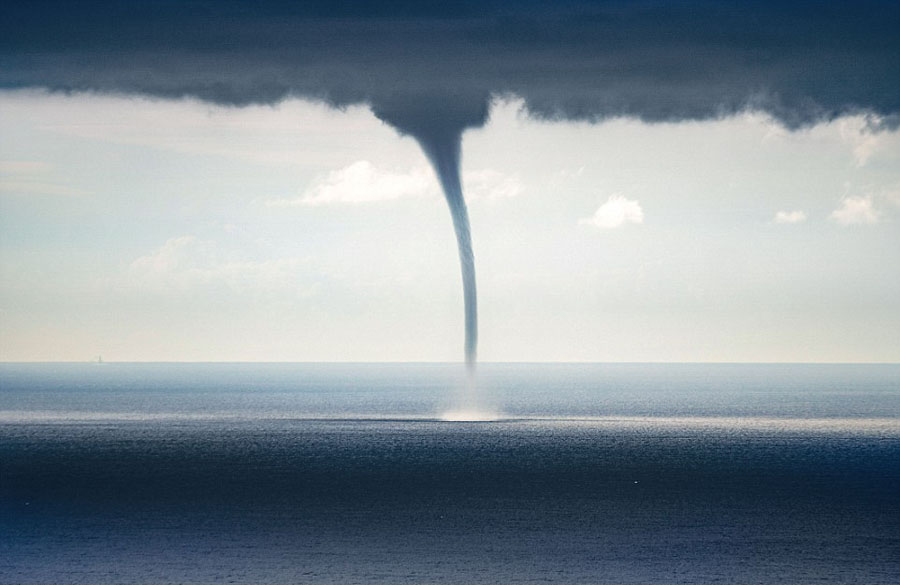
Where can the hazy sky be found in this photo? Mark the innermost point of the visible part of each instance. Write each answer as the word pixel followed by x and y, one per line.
pixel 178 230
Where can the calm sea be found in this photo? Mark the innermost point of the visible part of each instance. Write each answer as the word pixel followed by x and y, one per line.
pixel 353 473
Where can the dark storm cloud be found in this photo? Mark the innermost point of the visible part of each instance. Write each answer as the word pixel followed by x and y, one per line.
pixel 430 69
pixel 418 63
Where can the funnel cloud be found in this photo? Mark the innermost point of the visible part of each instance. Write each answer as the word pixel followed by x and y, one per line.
pixel 437 123
pixel 431 70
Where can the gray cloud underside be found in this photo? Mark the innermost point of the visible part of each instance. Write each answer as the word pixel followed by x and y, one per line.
pixel 801 63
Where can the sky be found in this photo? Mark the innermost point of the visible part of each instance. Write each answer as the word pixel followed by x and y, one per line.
pixel 175 230
pixel 740 205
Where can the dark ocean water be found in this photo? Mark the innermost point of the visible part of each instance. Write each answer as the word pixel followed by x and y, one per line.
pixel 609 474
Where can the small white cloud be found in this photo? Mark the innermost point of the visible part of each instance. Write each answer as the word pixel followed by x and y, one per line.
pixel 564 174
pixel 855 210
pixel 176 255
pixel 790 217
pixel 490 184
pixel 362 182
pixel 617 211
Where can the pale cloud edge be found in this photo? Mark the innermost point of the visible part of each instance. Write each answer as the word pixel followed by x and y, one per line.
pixel 363 182
pixel 856 211
pixel 790 217
pixel 616 212
pixel 491 185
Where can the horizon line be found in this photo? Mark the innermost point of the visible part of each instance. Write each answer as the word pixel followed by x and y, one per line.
pixel 460 363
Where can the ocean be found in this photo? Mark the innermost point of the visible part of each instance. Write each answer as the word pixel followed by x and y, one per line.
pixel 355 473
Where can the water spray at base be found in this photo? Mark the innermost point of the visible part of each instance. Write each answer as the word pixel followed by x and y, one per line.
pixel 437 122
pixel 444 153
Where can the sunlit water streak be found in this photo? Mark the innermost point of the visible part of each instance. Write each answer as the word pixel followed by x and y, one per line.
pixel 328 474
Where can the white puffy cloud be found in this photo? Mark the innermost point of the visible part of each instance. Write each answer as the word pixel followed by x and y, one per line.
pixel 790 217
pixel 856 210
pixel 363 182
pixel 491 184
pixel 179 262
pixel 616 212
